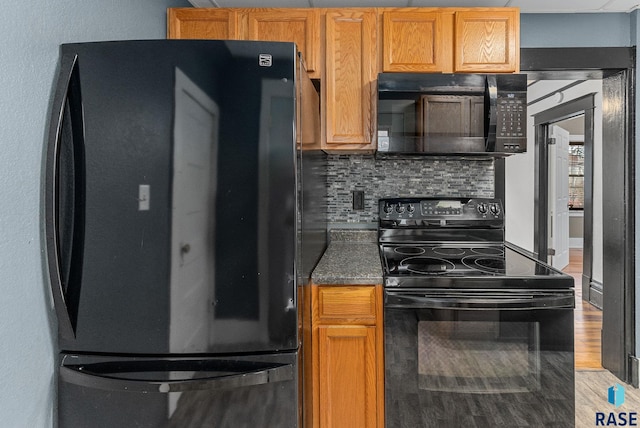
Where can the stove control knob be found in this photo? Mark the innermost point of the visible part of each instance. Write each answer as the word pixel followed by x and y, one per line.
pixel 387 208
pixel 494 209
pixel 410 208
pixel 482 208
pixel 399 208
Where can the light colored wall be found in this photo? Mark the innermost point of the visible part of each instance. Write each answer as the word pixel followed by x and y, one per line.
pixel 30 32
pixel 551 30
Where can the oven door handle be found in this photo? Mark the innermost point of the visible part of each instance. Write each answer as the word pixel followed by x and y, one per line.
pixel 480 301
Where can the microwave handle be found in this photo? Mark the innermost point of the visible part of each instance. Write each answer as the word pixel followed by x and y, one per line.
pixel 491 106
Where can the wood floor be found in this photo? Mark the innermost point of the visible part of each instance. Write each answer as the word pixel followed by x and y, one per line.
pixel 588 321
pixel 592 397
pixel 592 380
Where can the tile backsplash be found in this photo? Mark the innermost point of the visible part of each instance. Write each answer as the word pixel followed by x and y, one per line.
pixel 387 176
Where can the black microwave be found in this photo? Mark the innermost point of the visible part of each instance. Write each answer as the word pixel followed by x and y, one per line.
pixel 452 114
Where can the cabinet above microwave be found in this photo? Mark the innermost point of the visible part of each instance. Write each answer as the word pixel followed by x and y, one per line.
pixel 452 114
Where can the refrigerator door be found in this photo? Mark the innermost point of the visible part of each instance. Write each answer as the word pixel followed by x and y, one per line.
pixel 223 392
pixel 170 197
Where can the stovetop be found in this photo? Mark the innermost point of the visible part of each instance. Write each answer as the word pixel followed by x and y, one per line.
pixel 454 243
pixel 429 265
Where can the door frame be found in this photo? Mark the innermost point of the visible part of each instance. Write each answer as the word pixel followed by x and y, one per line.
pixel 542 120
pixel 559 196
pixel 618 236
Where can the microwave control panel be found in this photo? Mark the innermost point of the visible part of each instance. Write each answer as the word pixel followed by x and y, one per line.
pixel 511 122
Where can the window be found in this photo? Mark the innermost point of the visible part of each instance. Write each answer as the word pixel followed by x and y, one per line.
pixel 576 176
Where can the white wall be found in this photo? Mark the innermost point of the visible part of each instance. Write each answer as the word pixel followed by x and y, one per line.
pixel 519 170
pixel 30 32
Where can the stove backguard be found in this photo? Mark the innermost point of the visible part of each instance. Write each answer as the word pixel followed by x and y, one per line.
pixel 440 220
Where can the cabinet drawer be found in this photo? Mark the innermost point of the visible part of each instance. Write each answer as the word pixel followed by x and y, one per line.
pixel 347 303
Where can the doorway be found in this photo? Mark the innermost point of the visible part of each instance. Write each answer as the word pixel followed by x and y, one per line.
pixel 574 159
pixel 616 68
pixel 549 150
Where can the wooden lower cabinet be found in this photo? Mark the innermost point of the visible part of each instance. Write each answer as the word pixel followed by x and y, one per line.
pixel 347 376
pixel 344 376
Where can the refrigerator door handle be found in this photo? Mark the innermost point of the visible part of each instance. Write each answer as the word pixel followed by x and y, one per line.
pixel 79 375
pixel 64 195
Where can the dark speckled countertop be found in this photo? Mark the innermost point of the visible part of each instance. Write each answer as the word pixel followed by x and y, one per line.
pixel 352 258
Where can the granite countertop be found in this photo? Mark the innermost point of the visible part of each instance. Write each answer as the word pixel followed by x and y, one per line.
pixel 352 258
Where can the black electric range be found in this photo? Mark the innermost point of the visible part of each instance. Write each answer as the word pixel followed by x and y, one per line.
pixel 470 320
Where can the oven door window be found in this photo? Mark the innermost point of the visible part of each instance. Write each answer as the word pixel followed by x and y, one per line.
pixel 478 356
pixel 478 368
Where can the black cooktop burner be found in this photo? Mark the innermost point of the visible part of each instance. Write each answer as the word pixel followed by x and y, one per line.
pixel 426 265
pixel 489 251
pixel 449 251
pixel 490 264
pixel 409 251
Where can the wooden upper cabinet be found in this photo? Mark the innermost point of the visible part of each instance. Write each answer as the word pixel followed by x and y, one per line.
pixel 413 42
pixel 487 41
pixel 289 25
pixel 342 47
pixel 191 23
pixel 350 72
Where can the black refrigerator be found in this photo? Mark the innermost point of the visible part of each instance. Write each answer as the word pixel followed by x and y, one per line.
pixel 184 200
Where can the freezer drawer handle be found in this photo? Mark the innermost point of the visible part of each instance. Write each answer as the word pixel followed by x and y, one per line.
pixel 82 376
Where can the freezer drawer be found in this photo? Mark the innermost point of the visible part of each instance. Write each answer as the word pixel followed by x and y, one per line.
pixel 100 392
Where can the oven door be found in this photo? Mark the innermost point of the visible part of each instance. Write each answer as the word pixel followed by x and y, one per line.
pixel 479 358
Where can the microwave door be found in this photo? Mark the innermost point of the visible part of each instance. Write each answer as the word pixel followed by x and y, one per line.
pixel 450 114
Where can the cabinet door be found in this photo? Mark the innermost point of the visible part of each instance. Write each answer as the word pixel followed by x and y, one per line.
pixel 348 90
pixel 413 42
pixel 347 377
pixel 289 25
pixel 487 41
pixel 191 23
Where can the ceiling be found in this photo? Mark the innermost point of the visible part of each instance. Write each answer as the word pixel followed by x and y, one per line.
pixel 526 6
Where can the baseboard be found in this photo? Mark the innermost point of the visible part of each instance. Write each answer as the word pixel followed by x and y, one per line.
pixel 634 366
pixel 596 294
